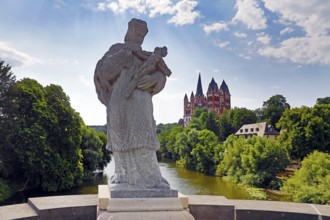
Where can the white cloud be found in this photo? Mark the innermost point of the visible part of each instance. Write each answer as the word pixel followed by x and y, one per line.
pixel 224 44
pixel 221 44
pixel 250 14
pixel 311 16
pixel 263 38
pixel 240 35
pixel 16 58
pixel 215 27
pixel 101 6
pixel 183 12
pixel 286 30
pixel 246 57
pixel 303 50
pixel 160 7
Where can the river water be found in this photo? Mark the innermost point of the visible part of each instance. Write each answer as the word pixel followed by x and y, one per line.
pixel 185 181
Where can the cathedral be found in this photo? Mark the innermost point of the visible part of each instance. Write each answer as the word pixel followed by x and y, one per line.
pixel 216 99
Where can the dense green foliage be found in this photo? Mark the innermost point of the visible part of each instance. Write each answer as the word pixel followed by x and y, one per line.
pixel 325 100
pixel 7 80
pixel 306 129
pixel 254 161
pixel 5 191
pixel 197 147
pixel 196 150
pixel 43 140
pixel 95 155
pixel 46 136
pixel 161 127
pixel 311 183
pixel 273 109
pixel 232 120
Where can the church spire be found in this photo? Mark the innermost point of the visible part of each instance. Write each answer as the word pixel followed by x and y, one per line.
pixel 199 90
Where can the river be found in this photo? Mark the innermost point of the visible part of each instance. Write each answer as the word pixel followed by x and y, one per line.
pixel 185 181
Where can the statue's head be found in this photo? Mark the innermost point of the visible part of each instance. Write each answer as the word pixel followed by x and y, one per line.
pixel 137 30
pixel 161 51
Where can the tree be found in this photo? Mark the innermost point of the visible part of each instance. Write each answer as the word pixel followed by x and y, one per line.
pixel 91 146
pixel 204 152
pixel 225 126
pixel 161 127
pixel 231 121
pixel 311 183
pixel 106 158
pixel 198 120
pixel 325 100
pixel 231 165
pixel 240 117
pixel 64 133
pixel 254 161
pixel 7 157
pixel 211 123
pixel 46 136
pixel 7 79
pixel 262 160
pixel 167 140
pixel 305 130
pixel 273 109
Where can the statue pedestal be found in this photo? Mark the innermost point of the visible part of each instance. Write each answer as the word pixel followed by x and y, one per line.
pixel 141 208
pixel 129 191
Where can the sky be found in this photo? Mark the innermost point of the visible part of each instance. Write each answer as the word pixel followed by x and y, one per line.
pixel 259 47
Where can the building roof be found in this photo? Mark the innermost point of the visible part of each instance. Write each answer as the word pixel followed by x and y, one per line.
pixel 199 90
pixel 185 97
pixel 224 87
pixel 192 95
pixel 259 129
pixel 213 86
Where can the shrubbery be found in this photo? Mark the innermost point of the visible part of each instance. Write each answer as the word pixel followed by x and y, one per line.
pixel 5 191
pixel 254 161
pixel 311 183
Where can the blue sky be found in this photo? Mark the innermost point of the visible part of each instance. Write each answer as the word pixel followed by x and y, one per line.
pixel 259 47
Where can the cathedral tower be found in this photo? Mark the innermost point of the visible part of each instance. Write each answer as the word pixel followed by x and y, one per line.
pixel 216 99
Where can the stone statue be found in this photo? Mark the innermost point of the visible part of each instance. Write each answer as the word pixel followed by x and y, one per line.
pixel 126 78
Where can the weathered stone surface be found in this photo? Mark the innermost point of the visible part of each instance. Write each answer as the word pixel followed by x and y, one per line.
pixel 129 191
pixel 254 209
pixel 184 200
pixel 144 204
pixel 161 215
pixel 211 208
pixel 126 78
pixel 20 211
pixel 144 208
pixel 104 196
pixel 65 207
pixel 322 210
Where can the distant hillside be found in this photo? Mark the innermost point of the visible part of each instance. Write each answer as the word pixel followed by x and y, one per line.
pixel 102 128
pixel 161 126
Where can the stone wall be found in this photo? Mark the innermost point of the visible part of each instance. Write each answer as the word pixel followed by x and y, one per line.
pixel 201 207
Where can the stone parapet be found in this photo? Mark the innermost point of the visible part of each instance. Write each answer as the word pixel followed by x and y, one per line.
pixel 65 207
pixel 20 211
pixel 200 207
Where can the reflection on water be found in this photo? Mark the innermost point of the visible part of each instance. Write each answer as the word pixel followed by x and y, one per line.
pixel 186 182
pixel 195 183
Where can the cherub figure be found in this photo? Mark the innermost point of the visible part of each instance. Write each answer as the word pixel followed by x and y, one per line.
pixel 153 62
